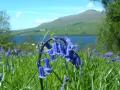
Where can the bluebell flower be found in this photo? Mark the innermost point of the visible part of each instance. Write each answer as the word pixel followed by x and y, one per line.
pixel 69 43
pixel 117 58
pixel 69 55
pixel 55 48
pixel 8 53
pixel 48 45
pixel 50 52
pixel 114 60
pixel 47 67
pixel 15 50
pixel 74 59
pixel 108 55
pixel 62 49
pixel 41 71
pixel 77 62
pixel 1 49
pixel 52 56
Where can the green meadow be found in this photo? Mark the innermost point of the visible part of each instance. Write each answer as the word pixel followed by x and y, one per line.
pixel 95 74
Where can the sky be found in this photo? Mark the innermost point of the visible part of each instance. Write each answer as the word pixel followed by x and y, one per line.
pixel 31 13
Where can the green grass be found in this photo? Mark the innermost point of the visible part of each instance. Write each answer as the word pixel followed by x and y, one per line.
pixel 95 74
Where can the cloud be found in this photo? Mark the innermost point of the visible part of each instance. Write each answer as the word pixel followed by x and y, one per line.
pixel 18 14
pixel 40 21
pixel 90 5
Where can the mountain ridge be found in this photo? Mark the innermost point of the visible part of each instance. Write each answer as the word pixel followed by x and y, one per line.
pixel 87 22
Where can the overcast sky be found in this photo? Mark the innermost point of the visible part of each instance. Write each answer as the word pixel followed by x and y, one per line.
pixel 31 13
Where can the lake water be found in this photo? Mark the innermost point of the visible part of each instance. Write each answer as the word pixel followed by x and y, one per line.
pixel 81 41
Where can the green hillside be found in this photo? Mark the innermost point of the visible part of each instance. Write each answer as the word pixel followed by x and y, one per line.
pixel 87 22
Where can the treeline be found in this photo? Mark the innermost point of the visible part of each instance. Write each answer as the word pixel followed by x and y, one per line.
pixel 109 36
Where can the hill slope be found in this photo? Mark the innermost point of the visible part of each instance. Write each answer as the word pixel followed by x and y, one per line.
pixel 87 22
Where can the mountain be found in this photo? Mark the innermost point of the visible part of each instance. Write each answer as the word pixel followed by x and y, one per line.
pixel 87 22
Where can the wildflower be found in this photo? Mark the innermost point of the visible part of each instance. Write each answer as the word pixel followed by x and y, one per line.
pixel 1 49
pixel 41 71
pixel 70 44
pixel 8 53
pixel 15 50
pixel 47 67
pixel 52 56
pixel 62 50
pixel 55 48
pixel 50 52
pixel 77 62
pixel 117 58
pixel 74 59
pixel 69 55
pixel 108 55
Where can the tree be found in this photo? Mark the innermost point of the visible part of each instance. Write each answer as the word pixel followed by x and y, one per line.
pixel 110 34
pixel 4 21
pixel 4 28
pixel 105 3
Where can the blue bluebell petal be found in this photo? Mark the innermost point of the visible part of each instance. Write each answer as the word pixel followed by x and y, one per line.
pixel 47 67
pixel 41 71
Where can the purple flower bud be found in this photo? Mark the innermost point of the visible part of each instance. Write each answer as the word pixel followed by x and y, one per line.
pixel 47 67
pixel 41 71
pixel 48 45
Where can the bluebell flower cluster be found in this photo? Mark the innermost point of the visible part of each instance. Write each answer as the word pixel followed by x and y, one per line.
pixel 65 48
pixel 58 47
pixel 108 55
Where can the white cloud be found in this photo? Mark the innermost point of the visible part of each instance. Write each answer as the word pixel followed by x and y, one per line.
pixel 18 14
pixel 40 21
pixel 90 5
